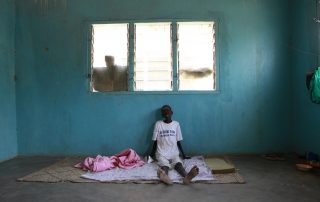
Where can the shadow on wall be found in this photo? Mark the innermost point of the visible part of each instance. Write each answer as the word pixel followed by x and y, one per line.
pixel 148 137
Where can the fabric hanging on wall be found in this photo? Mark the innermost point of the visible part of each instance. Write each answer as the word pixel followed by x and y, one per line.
pixel 315 87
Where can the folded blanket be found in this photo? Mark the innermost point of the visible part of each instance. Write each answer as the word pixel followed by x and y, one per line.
pixel 126 159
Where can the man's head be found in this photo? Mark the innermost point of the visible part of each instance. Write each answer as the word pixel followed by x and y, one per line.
pixel 166 112
pixel 109 60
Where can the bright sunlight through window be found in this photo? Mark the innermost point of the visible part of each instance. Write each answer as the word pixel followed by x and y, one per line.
pixel 196 55
pixel 153 65
pixel 109 54
pixel 110 39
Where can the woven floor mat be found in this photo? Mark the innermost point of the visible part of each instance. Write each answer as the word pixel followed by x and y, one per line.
pixel 63 171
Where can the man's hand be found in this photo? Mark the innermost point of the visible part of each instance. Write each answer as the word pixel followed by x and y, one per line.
pixel 149 159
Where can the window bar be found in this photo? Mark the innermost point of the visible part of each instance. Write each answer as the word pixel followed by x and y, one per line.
pixel 91 56
pixel 131 58
pixel 214 57
pixel 174 41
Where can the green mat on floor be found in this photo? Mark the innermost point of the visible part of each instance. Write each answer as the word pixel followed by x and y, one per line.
pixel 220 166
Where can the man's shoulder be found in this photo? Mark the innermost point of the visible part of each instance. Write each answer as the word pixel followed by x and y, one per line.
pixel 158 122
pixel 175 122
pixel 161 122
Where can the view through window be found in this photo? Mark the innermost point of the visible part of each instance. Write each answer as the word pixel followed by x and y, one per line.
pixel 152 48
pixel 196 48
pixel 109 54
pixel 153 65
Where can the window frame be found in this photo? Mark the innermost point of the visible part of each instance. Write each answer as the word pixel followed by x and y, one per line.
pixel 131 56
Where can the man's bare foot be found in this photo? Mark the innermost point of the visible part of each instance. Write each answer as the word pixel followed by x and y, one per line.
pixel 164 177
pixel 192 173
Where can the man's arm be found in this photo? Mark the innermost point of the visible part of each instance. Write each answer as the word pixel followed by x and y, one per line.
pixel 154 149
pixel 181 150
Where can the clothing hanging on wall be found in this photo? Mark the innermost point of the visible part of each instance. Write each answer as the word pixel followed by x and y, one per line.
pixel 315 87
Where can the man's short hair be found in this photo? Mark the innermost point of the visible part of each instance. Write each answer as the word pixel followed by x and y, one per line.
pixel 166 107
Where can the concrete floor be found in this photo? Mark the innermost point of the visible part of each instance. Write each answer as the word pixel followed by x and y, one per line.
pixel 266 181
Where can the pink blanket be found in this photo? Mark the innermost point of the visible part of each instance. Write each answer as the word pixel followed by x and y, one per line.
pixel 126 159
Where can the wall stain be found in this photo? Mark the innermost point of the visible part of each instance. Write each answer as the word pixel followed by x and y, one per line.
pixel 45 5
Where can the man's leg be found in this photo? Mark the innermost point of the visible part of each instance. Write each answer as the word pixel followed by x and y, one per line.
pixel 180 169
pixel 187 177
pixel 163 170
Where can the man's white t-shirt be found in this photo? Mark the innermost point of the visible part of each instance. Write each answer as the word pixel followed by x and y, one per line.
pixel 167 135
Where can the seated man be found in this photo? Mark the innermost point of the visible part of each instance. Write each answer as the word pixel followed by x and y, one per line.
pixel 167 136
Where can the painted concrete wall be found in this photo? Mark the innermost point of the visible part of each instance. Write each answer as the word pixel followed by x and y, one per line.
pixel 305 57
pixel 8 135
pixel 56 113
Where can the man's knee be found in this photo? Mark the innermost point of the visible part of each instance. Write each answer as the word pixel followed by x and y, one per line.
pixel 178 165
pixel 180 169
pixel 165 169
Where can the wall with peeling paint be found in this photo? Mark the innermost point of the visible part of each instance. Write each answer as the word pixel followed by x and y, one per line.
pixel 305 57
pixel 8 134
pixel 56 113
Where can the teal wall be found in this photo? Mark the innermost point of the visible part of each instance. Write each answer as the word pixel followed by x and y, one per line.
pixel 56 113
pixel 8 135
pixel 305 57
